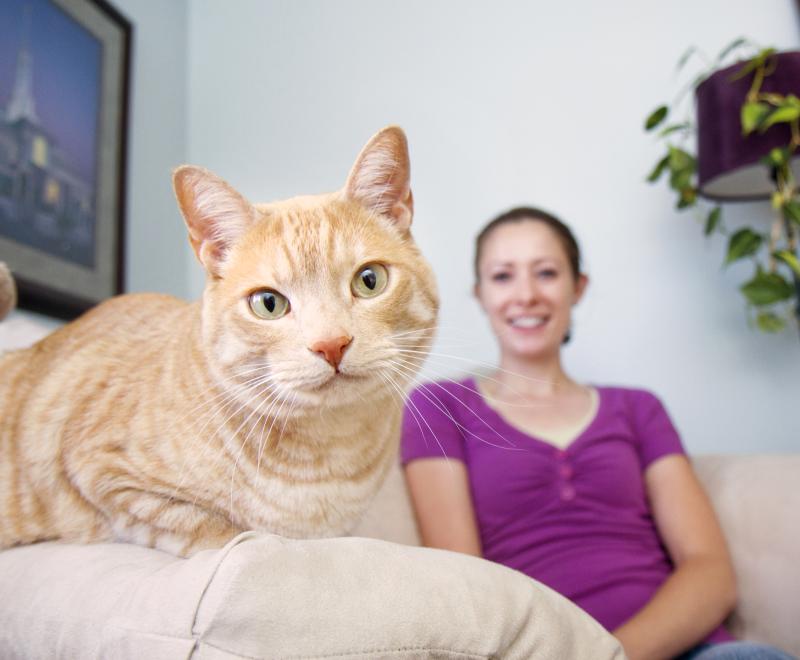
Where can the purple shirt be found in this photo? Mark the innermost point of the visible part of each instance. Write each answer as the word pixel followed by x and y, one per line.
pixel 575 519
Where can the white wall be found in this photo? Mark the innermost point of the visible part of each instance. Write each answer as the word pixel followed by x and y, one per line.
pixel 507 103
pixel 156 235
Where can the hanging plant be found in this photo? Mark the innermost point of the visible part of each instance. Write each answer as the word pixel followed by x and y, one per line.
pixel 773 292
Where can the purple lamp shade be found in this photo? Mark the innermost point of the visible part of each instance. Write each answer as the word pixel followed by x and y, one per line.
pixel 728 162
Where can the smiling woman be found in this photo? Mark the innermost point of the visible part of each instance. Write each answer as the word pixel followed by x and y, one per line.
pixel 585 488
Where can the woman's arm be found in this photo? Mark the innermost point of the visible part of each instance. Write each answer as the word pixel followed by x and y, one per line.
pixel 442 503
pixel 702 590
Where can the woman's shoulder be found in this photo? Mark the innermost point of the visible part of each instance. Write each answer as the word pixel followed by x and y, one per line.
pixel 447 392
pixel 628 396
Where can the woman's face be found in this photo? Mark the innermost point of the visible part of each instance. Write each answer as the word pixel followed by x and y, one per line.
pixel 527 288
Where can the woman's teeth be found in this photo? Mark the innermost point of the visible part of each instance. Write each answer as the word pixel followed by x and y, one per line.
pixel 528 321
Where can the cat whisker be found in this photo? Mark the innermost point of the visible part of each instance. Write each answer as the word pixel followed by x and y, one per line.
pixel 219 408
pixel 226 398
pixel 269 443
pixel 479 362
pixel 417 416
pixel 484 376
pixel 224 393
pixel 243 445
pixel 439 405
pixel 464 404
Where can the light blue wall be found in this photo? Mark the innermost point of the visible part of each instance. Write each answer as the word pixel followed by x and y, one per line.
pixel 156 235
pixel 504 103
pixel 513 102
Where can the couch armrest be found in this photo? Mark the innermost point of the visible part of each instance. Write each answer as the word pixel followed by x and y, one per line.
pixel 757 500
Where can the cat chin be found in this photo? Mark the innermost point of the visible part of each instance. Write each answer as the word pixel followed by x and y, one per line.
pixel 338 391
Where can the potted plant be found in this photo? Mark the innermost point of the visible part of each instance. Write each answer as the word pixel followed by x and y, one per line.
pixel 738 142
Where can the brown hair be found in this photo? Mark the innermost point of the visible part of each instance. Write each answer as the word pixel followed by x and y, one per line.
pixel 522 213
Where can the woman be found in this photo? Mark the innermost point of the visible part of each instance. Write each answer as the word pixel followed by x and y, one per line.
pixel 586 489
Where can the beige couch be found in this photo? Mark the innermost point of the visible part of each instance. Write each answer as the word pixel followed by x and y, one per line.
pixel 266 597
pixel 757 499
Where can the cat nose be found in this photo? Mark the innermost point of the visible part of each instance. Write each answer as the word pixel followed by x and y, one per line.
pixel 332 349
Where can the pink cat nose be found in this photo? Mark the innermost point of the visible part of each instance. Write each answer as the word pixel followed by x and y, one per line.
pixel 332 349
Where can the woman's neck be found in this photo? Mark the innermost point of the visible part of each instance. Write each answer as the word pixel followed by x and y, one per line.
pixel 525 377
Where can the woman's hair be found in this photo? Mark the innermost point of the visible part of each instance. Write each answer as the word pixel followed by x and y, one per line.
pixel 523 213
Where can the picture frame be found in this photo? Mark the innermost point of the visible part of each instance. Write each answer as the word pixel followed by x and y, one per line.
pixel 64 98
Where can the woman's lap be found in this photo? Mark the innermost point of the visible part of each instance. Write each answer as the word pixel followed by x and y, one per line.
pixel 739 650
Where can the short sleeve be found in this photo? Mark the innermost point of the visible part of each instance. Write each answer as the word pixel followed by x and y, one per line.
pixel 655 432
pixel 430 427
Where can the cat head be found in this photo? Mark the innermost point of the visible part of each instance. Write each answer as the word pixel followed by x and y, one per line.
pixel 317 300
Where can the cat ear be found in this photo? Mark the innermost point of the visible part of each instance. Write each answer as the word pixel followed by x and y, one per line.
pixel 215 214
pixel 380 178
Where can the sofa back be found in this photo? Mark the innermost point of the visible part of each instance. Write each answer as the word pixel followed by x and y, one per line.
pixel 757 500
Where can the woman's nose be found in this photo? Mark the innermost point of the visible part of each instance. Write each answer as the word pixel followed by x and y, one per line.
pixel 526 290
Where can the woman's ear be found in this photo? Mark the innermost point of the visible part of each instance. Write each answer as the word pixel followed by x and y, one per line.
pixel 476 291
pixel 580 287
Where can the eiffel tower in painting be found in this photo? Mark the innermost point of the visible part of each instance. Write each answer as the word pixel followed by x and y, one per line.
pixel 44 203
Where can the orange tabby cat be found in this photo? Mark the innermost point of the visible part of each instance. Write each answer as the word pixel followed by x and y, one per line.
pixel 268 405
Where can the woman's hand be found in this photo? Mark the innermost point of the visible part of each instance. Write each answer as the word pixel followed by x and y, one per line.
pixel 701 592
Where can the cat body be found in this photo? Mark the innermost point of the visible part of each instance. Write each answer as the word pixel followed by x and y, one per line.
pixel 178 425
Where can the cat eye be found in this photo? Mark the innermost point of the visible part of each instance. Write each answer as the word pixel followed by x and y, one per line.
pixel 269 305
pixel 370 280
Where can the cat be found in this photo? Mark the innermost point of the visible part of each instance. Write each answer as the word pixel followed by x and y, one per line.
pixel 272 404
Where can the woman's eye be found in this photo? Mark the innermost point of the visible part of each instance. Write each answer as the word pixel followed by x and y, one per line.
pixel 501 277
pixel 269 305
pixel 370 280
pixel 548 273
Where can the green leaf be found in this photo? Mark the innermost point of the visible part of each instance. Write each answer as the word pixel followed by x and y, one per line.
pixel 656 117
pixel 673 128
pixel 753 64
pixel 685 57
pixel 777 157
pixel 790 259
pixel 782 114
pixel 681 180
pixel 688 197
pixel 713 220
pixel 767 288
pixel 658 170
pixel 680 160
pixel 743 243
pixel 737 43
pixel 791 211
pixel 792 100
pixel 749 67
pixel 752 115
pixel 769 322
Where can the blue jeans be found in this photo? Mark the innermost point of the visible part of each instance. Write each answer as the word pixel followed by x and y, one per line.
pixel 735 651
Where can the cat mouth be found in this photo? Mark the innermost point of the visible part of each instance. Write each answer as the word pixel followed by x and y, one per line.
pixel 334 380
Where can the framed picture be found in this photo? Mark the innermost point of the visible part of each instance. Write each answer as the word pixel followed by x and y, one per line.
pixel 64 80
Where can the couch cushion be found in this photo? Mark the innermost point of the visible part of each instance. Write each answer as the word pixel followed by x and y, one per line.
pixel 757 500
pixel 263 596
